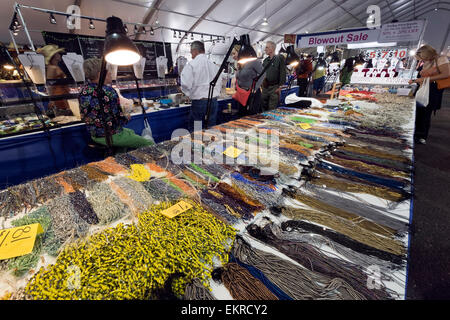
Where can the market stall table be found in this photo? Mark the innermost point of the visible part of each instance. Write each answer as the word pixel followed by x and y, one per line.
pixel 336 199
pixel 38 154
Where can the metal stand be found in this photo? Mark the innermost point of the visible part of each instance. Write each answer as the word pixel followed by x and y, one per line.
pixel 136 80
pixel 212 84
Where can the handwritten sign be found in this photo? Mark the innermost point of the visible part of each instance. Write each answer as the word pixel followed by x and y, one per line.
pixel 177 209
pixel 16 242
pixel 401 31
pixel 304 126
pixel 232 152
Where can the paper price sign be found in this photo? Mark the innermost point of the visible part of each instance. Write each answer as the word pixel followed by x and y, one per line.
pixel 304 126
pixel 175 210
pixel 16 242
pixel 232 152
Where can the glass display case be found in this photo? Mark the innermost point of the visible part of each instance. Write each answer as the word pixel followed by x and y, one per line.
pixel 57 102
pixel 19 114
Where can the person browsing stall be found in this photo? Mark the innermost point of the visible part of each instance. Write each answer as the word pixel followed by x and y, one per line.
pixel 319 74
pixel 112 115
pixel 304 71
pixel 246 75
pixel 275 77
pixel 435 67
pixel 195 80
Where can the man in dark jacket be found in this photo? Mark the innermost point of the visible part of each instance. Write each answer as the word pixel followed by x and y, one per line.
pixel 275 77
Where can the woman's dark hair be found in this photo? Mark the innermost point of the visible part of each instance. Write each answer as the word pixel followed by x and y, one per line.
pixel 348 65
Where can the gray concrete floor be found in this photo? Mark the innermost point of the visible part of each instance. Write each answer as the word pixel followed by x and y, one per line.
pixel 429 258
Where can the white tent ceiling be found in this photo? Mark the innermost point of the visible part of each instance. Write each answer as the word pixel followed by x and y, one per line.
pixel 220 17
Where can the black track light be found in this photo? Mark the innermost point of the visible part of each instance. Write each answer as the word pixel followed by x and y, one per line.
pixel 52 19
pixel 91 24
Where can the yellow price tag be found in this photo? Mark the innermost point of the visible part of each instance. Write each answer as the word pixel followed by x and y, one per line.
pixel 304 126
pixel 16 242
pixel 232 152
pixel 176 209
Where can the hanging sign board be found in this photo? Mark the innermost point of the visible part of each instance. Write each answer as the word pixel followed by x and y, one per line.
pixel 74 62
pixel 138 68
pixel 34 65
pixel 391 32
pixel 401 31
pixel 337 38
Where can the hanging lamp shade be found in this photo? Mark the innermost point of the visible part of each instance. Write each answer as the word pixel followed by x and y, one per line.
pixel 246 52
pixel 119 49
pixel 292 58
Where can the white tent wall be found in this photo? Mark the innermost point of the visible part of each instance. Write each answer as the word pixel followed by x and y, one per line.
pixel 229 18
pixel 437 34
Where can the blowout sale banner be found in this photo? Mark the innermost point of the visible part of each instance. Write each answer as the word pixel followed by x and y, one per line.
pixel 337 38
pixel 391 32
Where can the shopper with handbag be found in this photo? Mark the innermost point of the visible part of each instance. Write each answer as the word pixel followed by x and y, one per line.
pixel 275 77
pixel 112 114
pixel 437 69
pixel 248 93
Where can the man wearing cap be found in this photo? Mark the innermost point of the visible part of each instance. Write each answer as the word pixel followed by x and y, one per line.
pixel 275 77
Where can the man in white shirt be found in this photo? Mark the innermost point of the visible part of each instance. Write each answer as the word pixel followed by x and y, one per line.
pixel 400 67
pixel 195 80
